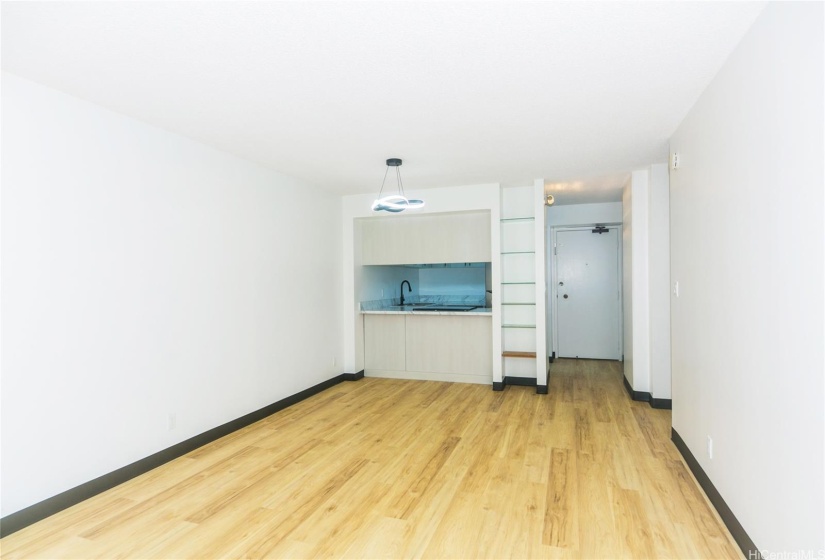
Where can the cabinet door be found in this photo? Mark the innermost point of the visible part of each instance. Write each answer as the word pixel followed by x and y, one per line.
pixel 465 237
pixel 384 342
pixel 450 344
pixel 383 240
pixel 426 238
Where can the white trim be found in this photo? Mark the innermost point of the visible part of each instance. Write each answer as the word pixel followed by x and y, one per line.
pixel 540 236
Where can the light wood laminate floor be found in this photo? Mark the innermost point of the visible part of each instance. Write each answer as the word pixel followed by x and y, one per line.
pixel 384 468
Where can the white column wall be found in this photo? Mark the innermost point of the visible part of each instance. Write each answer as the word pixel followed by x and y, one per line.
pixel 659 284
pixel 636 302
pixel 628 226
pixel 541 282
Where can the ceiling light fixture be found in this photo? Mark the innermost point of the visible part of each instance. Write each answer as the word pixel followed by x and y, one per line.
pixel 395 202
pixel 549 200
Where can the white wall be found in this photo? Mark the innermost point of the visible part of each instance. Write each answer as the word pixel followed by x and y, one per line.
pixel 659 280
pixel 747 250
pixel 145 274
pixel 570 215
pixel 636 300
pixel 445 199
pixel 540 232
pixel 627 281
pixel 646 281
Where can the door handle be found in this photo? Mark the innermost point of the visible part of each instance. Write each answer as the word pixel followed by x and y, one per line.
pixel 565 296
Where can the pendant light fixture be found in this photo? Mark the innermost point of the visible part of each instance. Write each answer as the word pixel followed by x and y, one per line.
pixel 395 202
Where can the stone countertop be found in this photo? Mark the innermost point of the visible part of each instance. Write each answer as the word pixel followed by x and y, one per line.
pixel 409 310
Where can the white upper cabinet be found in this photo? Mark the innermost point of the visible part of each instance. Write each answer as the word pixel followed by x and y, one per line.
pixel 426 238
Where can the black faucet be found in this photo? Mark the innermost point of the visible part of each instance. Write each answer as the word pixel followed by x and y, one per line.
pixel 409 289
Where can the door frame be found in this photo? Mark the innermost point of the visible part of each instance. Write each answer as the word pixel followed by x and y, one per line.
pixel 554 284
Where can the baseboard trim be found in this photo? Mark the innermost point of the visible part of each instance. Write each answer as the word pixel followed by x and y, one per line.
pixel 354 376
pixel 746 545
pixel 48 507
pixel 644 396
pixel 520 381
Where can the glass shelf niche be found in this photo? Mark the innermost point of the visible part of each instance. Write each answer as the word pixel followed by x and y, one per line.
pixel 518 340
pixel 519 267
pixel 521 294
pixel 518 237
pixel 518 315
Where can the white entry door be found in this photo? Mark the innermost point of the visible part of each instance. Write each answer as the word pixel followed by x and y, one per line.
pixel 588 294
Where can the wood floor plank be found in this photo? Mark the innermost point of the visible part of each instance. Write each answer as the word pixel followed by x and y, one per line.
pixel 304 510
pixel 385 468
pixel 560 514
pixel 181 490
pixel 384 540
pixel 632 522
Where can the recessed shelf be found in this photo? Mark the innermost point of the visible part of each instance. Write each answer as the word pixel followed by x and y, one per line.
pixel 514 354
pixel 515 283
pixel 518 303
pixel 518 252
pixel 518 326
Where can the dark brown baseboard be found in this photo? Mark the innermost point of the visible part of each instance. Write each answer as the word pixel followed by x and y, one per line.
pixel 520 382
pixel 741 537
pixel 644 396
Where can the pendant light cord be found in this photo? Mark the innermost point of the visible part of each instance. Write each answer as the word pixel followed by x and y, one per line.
pixel 384 181
pixel 400 184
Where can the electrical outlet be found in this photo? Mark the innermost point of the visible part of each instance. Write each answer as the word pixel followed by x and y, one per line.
pixel 676 288
pixel 710 447
pixel 172 421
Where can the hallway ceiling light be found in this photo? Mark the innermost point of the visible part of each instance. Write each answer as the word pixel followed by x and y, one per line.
pixel 395 202
pixel 549 200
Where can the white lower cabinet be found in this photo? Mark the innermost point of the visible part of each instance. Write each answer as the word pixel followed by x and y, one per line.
pixel 433 347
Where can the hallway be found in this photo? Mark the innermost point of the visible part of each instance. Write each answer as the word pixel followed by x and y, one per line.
pixel 383 468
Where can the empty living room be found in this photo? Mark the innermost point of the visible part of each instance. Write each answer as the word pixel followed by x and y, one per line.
pixel 414 279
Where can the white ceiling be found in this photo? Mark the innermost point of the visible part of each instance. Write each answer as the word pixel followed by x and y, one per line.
pixel 464 92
